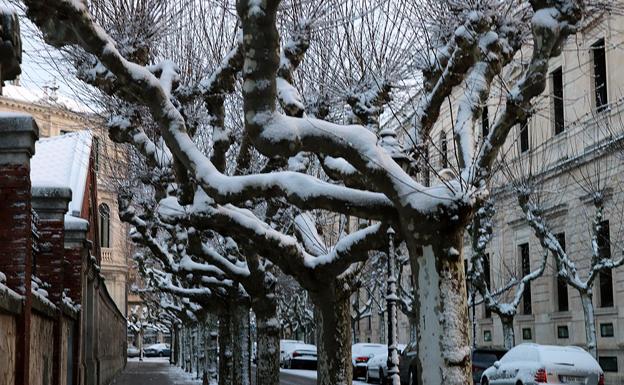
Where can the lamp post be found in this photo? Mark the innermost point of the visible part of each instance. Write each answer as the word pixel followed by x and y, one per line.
pixel 391 300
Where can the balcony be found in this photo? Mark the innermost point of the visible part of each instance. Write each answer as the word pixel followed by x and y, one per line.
pixel 107 255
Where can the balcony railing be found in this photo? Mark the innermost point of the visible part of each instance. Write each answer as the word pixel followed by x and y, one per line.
pixel 107 255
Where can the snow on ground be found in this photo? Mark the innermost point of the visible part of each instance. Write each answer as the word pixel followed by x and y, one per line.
pixel 310 374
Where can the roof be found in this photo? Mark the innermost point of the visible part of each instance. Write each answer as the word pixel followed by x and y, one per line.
pixel 63 161
pixel 44 97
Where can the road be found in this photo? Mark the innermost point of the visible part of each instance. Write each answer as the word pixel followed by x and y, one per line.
pixel 298 377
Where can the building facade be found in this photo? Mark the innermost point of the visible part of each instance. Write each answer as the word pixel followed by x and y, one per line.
pixel 571 146
pixel 56 115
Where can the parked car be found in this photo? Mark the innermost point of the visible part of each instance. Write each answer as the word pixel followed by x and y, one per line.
pixel 407 364
pixel 157 350
pixel 361 353
pixel 133 351
pixel 299 356
pixel 483 358
pixel 532 364
pixel 377 367
pixel 284 344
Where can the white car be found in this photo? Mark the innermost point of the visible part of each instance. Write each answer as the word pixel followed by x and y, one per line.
pixel 529 364
pixel 299 356
pixel 361 353
pixel 284 345
pixel 377 366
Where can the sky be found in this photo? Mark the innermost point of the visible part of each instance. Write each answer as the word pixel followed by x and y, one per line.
pixel 41 66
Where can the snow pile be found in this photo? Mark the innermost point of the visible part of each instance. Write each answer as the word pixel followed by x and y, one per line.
pixel 70 302
pixel 38 289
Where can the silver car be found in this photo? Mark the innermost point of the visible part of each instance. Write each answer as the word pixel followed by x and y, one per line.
pixel 529 364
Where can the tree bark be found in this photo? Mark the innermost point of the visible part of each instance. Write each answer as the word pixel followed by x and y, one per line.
pixel 333 327
pixel 240 344
pixel 590 325
pixel 442 312
pixel 211 376
pixel 509 336
pixel 267 353
pixel 226 367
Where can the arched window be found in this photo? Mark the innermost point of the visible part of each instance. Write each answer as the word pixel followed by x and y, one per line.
pixel 444 149
pixel 104 225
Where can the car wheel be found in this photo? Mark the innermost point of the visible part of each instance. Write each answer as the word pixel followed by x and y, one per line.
pixel 519 382
pixel 484 381
pixel 382 378
pixel 161 354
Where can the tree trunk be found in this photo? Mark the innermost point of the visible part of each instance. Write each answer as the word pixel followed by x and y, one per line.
pixel 211 372
pixel 333 324
pixel 442 311
pixel 267 353
pixel 240 344
pixel 226 367
pixel 509 336
pixel 590 325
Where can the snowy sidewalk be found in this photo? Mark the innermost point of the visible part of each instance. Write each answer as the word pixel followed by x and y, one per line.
pixel 153 371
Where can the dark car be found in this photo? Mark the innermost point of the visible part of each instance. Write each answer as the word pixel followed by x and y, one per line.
pixel 407 364
pixel 157 350
pixel 483 358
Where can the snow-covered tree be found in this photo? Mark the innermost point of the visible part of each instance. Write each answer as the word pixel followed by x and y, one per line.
pixel 466 45
pixel 571 265
pixel 502 300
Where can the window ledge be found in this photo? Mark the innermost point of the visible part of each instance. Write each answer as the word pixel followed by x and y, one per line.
pixel 525 317
pixel 605 311
pixel 561 315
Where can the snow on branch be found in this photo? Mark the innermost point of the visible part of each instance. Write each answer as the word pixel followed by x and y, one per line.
pixel 552 23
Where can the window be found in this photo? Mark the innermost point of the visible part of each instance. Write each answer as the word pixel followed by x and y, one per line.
pixel 606 330
pixel 104 223
pixel 524 137
pixel 562 285
pixel 444 149
pixel 486 276
pixel 527 334
pixel 487 336
pixel 606 288
pixel 600 74
pixel 562 332
pixel 96 152
pixel 608 364
pixel 605 278
pixel 426 171
pixel 525 262
pixel 485 122
pixel 557 95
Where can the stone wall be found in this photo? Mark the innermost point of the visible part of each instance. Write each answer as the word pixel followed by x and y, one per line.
pixel 41 350
pixel 7 348
pixel 47 339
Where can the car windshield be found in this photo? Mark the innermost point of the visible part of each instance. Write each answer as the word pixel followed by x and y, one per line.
pixel 484 358
pixel 369 349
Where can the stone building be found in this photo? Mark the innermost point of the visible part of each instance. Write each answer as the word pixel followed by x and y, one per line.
pixel 572 144
pixel 56 115
pixel 58 323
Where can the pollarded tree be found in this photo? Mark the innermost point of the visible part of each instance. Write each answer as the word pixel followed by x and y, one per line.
pixel 504 300
pixel 470 44
pixel 603 194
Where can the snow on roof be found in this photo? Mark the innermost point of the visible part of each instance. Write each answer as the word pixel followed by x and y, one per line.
pixel 63 161
pixel 41 97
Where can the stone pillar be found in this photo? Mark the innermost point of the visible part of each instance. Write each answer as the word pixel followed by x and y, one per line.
pixel 50 204
pixel 76 254
pixel 18 133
